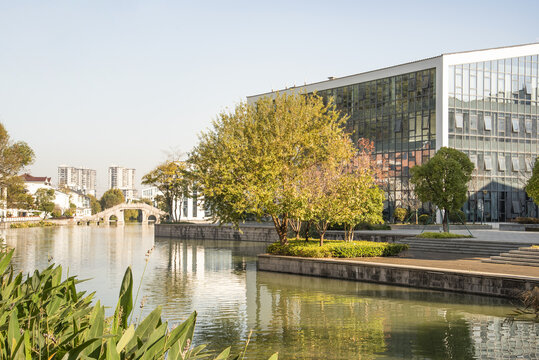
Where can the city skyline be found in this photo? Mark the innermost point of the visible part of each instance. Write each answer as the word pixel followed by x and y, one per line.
pixel 86 82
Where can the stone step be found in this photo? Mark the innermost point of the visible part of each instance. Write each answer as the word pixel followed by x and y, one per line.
pixel 463 252
pixel 472 245
pixel 510 262
pixel 498 249
pixel 522 254
pixel 469 242
pixel 529 249
pixel 502 248
pixel 458 251
pixel 515 259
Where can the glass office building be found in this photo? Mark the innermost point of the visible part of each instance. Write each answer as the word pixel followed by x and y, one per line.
pixel 483 103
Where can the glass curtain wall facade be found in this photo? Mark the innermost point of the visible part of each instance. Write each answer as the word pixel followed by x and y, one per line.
pixel 493 118
pixel 398 114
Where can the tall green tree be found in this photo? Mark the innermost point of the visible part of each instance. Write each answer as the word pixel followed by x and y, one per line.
pixel 532 187
pixel 45 200
pixel 14 156
pixel 174 183
pixel 443 181
pixel 253 158
pixel 18 196
pixel 358 198
pixel 112 197
pixel 95 205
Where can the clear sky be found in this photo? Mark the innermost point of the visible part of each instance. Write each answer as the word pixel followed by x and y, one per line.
pixel 94 83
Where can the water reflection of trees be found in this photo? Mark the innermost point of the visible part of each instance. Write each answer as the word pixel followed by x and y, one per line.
pixel 311 318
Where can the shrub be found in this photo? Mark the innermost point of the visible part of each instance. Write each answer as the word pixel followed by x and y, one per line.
pixel 367 226
pixel 400 214
pixel 56 213
pixel 44 317
pixel 22 225
pixel 526 220
pixel 457 217
pixel 336 249
pixel 442 235
pixel 424 219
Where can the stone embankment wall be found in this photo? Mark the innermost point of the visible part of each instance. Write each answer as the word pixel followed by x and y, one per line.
pixel 509 286
pixel 255 233
pixel 215 232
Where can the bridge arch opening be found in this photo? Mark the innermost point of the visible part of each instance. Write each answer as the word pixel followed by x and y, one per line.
pixel 152 218
pixel 133 215
pixel 113 218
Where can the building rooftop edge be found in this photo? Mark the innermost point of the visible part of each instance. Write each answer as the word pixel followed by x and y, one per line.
pixel 391 67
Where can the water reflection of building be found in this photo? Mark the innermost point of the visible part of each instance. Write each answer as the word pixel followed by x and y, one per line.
pixel 495 338
pixel 483 103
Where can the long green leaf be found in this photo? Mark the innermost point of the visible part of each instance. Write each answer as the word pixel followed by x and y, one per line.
pixel 154 344
pixel 97 321
pixel 112 353
pixel 5 260
pixel 125 302
pixel 183 332
pixel 126 337
pixel 27 345
pixel 224 354
pixel 13 332
pixel 75 353
pixel 145 328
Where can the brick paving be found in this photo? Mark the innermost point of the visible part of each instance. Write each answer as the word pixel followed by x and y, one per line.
pixel 451 262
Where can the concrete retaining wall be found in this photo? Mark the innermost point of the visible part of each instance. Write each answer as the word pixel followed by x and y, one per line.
pixel 508 286
pixel 214 232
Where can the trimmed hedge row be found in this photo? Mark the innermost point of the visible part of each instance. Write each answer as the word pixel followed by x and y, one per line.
pixel 336 249
pixel 526 220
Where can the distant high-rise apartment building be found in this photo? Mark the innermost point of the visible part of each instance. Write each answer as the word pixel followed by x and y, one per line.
pixel 124 179
pixel 78 179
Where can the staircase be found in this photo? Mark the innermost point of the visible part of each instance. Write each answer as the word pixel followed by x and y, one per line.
pixel 526 256
pixel 461 246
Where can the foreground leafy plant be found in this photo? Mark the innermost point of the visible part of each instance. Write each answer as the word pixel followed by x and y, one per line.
pixel 44 317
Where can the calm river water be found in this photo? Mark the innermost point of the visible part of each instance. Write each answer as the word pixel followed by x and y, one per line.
pixel 300 317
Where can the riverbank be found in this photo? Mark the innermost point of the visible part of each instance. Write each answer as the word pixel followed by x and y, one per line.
pixel 467 276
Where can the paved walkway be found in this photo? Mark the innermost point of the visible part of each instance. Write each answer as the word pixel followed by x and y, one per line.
pixel 526 237
pixel 451 262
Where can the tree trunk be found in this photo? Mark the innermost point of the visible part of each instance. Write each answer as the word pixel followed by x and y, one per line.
pixel 295 224
pixel 281 226
pixel 307 229
pixel 445 221
pixel 322 227
pixel 348 232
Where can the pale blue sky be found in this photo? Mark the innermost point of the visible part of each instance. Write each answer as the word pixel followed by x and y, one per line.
pixel 96 83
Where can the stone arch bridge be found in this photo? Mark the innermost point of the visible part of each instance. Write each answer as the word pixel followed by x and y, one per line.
pixel 149 213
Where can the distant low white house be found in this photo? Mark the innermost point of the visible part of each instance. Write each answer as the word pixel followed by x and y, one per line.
pixel 63 198
pixel 188 208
